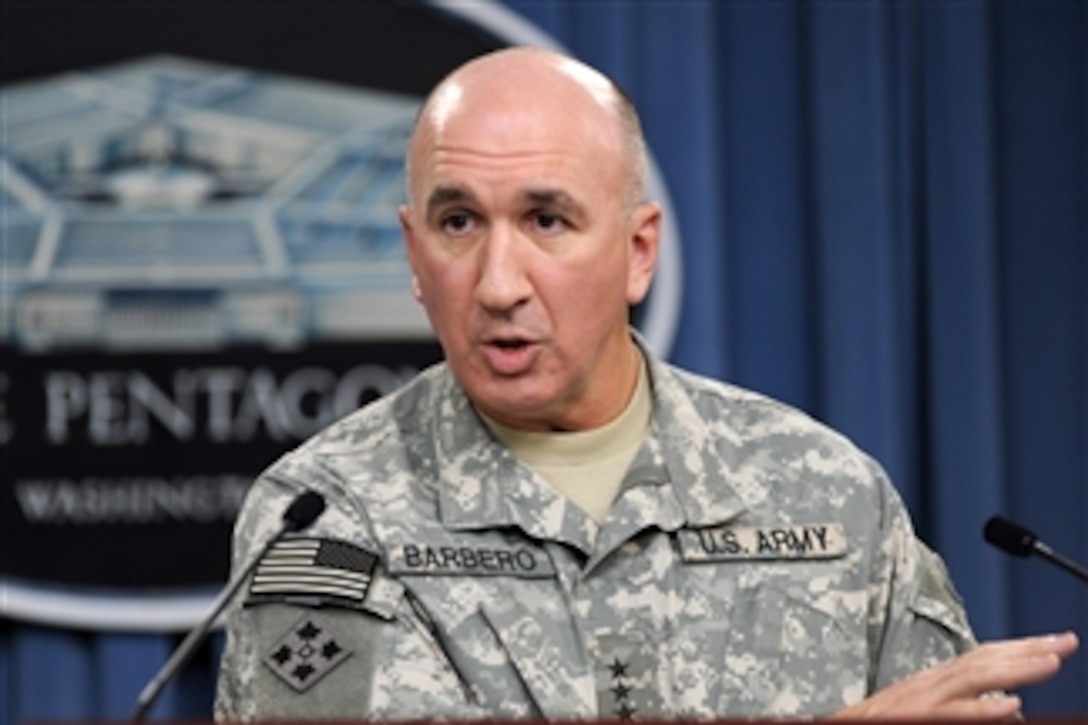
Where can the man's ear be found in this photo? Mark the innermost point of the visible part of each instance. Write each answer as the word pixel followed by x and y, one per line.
pixel 410 242
pixel 644 238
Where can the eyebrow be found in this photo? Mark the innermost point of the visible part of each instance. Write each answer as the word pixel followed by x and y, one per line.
pixel 444 195
pixel 557 199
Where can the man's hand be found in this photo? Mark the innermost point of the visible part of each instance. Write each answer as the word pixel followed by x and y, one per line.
pixel 972 685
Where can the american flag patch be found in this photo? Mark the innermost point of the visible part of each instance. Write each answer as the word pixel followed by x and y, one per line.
pixel 306 568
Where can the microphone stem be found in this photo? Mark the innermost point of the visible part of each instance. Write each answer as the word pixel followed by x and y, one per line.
pixel 188 646
pixel 1055 558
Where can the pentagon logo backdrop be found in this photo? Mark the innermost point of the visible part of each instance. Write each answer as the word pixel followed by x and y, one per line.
pixel 201 266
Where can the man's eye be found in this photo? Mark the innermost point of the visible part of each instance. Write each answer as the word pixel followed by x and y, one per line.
pixel 549 222
pixel 457 222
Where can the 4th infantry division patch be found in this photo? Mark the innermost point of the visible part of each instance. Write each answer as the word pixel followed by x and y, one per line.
pixel 308 652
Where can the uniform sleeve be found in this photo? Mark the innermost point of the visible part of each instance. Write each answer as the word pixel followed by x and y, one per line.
pixel 917 617
pixel 317 657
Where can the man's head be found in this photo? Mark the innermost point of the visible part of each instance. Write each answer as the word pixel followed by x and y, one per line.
pixel 529 238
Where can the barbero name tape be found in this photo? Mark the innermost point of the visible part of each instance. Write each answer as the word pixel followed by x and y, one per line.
pixel 305 567
pixel 797 541
pixel 523 562
pixel 308 652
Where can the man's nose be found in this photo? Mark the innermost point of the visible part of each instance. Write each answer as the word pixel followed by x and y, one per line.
pixel 503 281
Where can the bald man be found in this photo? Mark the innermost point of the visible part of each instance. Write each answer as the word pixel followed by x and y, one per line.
pixel 553 523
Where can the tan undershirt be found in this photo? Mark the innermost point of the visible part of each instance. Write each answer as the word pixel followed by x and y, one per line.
pixel 585 466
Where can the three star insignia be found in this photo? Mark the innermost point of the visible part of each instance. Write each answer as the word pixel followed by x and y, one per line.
pixel 621 691
pixel 623 671
pixel 308 652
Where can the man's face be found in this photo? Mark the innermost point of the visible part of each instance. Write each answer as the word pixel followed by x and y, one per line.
pixel 527 257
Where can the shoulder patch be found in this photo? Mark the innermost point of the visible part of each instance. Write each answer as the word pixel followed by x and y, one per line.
pixel 311 570
pixel 785 541
pixel 308 652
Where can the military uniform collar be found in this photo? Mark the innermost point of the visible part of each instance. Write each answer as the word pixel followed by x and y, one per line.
pixel 483 486
pixel 683 441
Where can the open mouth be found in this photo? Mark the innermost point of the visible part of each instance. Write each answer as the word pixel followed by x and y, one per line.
pixel 509 344
pixel 510 355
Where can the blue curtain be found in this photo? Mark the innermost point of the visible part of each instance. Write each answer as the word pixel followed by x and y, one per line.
pixel 883 215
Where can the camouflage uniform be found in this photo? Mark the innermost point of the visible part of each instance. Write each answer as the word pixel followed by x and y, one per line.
pixel 755 563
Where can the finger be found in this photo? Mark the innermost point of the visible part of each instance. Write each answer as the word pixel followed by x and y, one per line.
pixel 909 700
pixel 1063 644
pixel 993 668
pixel 1024 671
pixel 991 707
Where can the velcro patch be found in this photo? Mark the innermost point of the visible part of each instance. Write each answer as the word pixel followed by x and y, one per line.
pixel 425 558
pixel 788 541
pixel 625 673
pixel 308 652
pixel 301 568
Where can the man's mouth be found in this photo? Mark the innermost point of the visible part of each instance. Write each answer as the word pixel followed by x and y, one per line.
pixel 510 355
pixel 510 344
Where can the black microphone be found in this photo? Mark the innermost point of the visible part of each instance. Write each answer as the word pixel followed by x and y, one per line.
pixel 1018 540
pixel 302 512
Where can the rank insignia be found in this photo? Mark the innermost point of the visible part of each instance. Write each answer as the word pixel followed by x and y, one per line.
pixel 625 668
pixel 308 652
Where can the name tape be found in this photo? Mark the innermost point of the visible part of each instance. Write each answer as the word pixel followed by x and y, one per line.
pixel 521 561
pixel 732 543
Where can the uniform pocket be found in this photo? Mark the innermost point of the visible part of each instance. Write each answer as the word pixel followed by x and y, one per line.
pixel 789 644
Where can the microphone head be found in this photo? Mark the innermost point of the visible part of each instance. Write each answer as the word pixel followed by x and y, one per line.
pixel 1010 536
pixel 302 512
